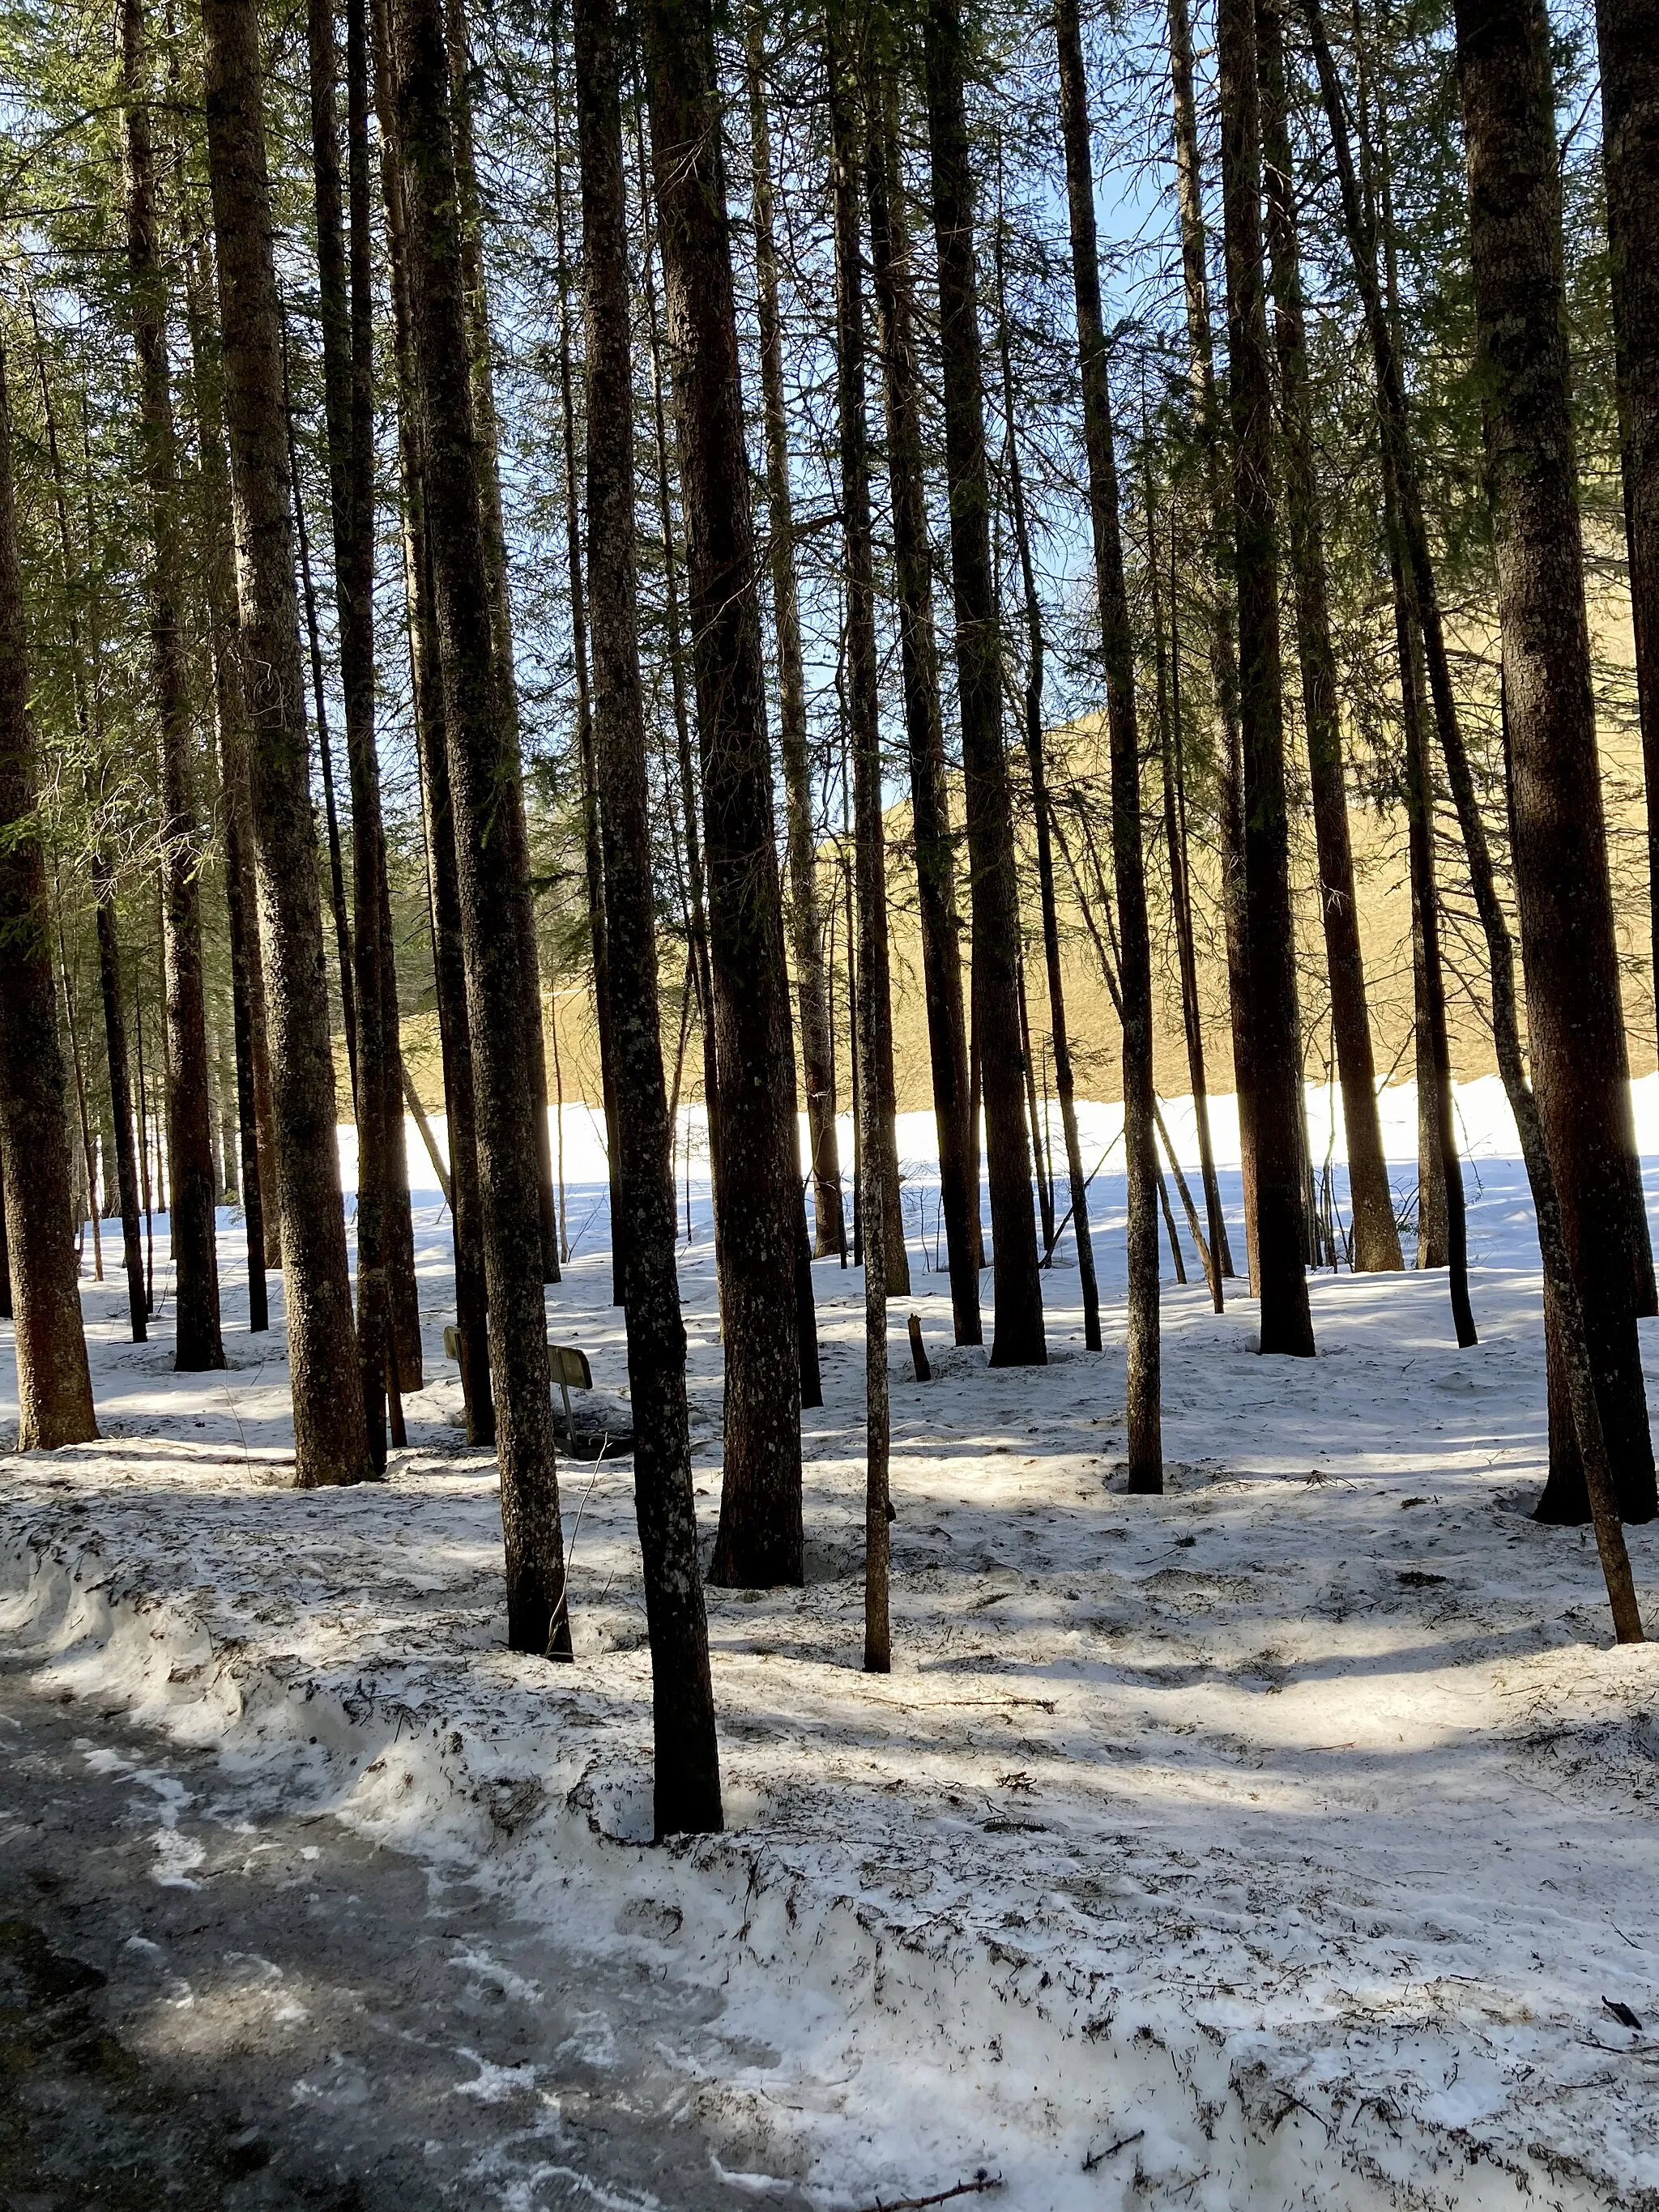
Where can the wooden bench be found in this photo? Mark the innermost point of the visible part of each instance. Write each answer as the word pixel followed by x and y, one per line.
pixel 567 1365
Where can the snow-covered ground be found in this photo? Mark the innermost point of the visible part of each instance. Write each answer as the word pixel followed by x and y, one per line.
pixel 1280 1841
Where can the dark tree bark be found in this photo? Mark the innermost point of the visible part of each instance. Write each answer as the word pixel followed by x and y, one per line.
pixel 1614 1427
pixel 348 386
pixel 195 1299
pixel 1627 34
pixel 487 438
pixel 1170 736
pixel 1223 654
pixel 924 723
pixel 120 1188
pixel 688 1790
pixel 1017 1337
pixel 805 922
pixel 448 961
pixel 593 846
pixel 120 1090
pixel 1038 765
pixel 54 1390
pixel 1286 1325
pixel 330 1443
pixel 1575 1020
pixel 863 707
pixel 1376 1234
pixel 490 838
pixel 255 1110
pixel 1425 937
pixel 879 1163
pixel 760 1535
pixel 1144 1402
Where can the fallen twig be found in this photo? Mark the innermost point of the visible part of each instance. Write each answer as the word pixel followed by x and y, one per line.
pixel 981 2183
pixel 1099 2157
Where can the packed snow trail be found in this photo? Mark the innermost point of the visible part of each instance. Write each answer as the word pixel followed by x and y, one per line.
pixel 1282 1840
pixel 216 1996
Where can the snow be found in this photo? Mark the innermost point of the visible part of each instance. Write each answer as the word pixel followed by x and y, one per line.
pixel 1275 1842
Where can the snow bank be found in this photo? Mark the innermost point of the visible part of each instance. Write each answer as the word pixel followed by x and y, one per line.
pixel 1276 1842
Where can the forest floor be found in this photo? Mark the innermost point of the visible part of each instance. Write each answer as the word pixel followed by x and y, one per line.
pixel 1283 1840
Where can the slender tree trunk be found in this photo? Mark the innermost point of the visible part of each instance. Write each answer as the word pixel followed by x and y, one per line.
pixel 330 1442
pixel 1575 1021
pixel 54 1389
pixel 195 1300
pixel 1035 761
pixel 1426 934
pixel 490 837
pixel 760 1535
pixel 1018 1339
pixel 878 1161
pixel 348 412
pixel 592 847
pixel 924 721
pixel 805 923
pixel 126 1169
pixel 696 888
pixel 1224 656
pixel 1117 650
pixel 1286 1325
pixel 1376 1235
pixel 1627 35
pixel 487 438
pixel 448 961
pixel 1168 670
pixel 863 707
pixel 88 1150
pixel 688 1791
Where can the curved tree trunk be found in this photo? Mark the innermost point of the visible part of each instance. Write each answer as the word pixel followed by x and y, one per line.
pixel 688 1789
pixel 760 1539
pixel 330 1441
pixel 1018 1338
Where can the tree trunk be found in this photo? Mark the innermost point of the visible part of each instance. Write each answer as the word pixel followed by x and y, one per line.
pixel 126 1167
pixel 1627 34
pixel 487 438
pixel 1376 1235
pixel 1143 1401
pixel 330 1442
pixel 1286 1325
pixel 1575 1021
pixel 54 1390
pixel 1038 767
pixel 1223 658
pixel 593 848
pixel 444 898
pixel 348 385
pixel 1168 672
pixel 760 1535
pixel 805 922
pixel 490 837
pixel 863 707
pixel 930 807
pixel 1017 1337
pixel 197 1344
pixel 688 1791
